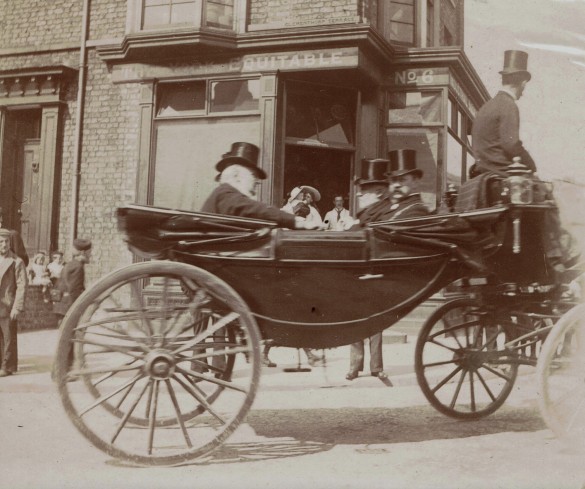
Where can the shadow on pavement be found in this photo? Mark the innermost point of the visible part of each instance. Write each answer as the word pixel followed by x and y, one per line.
pixel 299 432
pixel 381 425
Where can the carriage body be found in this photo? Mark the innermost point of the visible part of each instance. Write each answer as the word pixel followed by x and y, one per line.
pixel 167 351
pixel 325 289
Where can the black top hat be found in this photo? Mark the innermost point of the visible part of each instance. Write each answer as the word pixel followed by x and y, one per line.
pixel 403 162
pixel 373 171
pixel 245 154
pixel 515 62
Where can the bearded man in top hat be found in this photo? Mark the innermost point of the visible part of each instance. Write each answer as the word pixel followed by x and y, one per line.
pixel 239 174
pixel 405 180
pixel 496 138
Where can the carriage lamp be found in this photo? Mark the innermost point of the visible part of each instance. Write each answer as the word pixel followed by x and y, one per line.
pixel 519 183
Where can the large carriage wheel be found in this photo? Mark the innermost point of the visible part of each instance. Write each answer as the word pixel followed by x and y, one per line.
pixel 561 378
pixel 149 366
pixel 461 364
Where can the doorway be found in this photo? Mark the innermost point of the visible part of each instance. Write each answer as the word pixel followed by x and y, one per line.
pixel 328 170
pixel 20 185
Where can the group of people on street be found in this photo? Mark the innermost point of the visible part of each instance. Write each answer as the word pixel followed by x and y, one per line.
pixel 16 274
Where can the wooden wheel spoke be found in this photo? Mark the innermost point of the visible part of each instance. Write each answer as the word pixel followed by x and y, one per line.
pixel 442 345
pixel 507 378
pixel 574 416
pixel 485 386
pixel 451 329
pixel 137 291
pixel 152 416
pixel 178 414
pixel 105 397
pixel 458 389
pixel 213 380
pixel 472 389
pixel 110 371
pixel 224 321
pixel 438 364
pixel 216 353
pixel 128 413
pixel 200 399
pixel 446 379
pixel 125 350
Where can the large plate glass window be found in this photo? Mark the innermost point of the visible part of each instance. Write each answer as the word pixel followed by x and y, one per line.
pixel 190 135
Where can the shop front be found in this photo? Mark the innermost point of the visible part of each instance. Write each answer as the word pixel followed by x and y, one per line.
pixel 314 114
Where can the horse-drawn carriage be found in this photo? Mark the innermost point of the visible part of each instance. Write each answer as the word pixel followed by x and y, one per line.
pixel 167 351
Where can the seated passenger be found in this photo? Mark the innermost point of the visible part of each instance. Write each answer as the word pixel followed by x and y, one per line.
pixel 405 179
pixel 300 203
pixel 374 198
pixel 238 177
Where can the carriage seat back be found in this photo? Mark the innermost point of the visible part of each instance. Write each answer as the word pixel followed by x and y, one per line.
pixel 479 192
pixel 321 246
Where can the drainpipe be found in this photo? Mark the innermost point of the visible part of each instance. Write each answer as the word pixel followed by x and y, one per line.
pixel 79 120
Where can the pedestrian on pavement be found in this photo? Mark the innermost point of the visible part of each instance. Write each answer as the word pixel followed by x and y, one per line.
pixel 16 243
pixel 13 282
pixel 72 280
pixel 71 284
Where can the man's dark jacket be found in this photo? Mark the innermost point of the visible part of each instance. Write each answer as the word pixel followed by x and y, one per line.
pixel 385 210
pixel 71 283
pixel 496 135
pixel 229 201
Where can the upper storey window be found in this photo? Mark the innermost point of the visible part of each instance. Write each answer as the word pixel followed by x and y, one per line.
pixel 160 14
pixel 421 23
pixel 398 21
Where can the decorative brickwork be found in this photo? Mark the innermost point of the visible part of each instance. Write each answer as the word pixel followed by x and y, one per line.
pixel 30 23
pixel 289 13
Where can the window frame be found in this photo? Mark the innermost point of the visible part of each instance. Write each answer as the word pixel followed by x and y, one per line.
pixel 206 112
pixel 135 16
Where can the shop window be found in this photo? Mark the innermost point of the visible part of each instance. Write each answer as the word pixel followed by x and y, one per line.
pixel 156 14
pixel 425 141
pixel 181 98
pixel 323 114
pixel 235 95
pixel 186 151
pixel 414 107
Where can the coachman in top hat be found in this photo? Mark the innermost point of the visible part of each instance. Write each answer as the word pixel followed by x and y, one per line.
pixel 496 138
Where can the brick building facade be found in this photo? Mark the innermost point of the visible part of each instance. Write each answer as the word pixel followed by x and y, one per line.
pixel 168 84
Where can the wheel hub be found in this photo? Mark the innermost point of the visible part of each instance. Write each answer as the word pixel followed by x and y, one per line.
pixel 160 365
pixel 470 359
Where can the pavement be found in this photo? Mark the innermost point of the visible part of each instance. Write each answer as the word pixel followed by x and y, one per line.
pixel 36 350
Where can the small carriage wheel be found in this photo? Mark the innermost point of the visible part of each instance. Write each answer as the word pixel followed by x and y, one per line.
pixel 461 363
pixel 561 378
pixel 148 364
